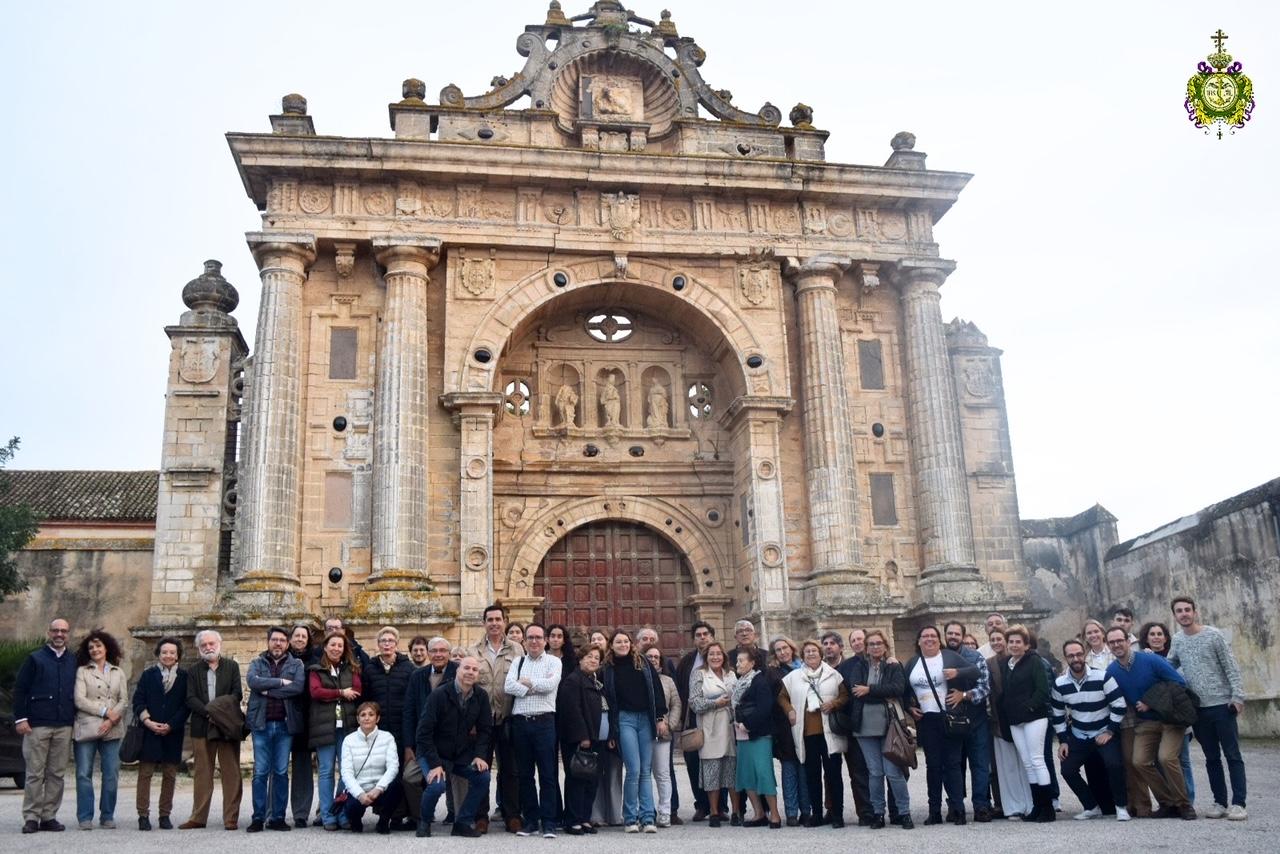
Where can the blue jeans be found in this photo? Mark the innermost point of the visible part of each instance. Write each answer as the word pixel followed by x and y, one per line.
pixel 1218 734
pixel 795 789
pixel 477 791
pixel 977 749
pixel 535 742
pixel 326 757
pixel 86 751
pixel 1187 776
pixel 880 769
pixel 635 741
pixel 271 762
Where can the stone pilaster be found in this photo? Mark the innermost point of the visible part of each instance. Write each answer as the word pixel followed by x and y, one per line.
pixel 271 453
pixel 475 413
pixel 937 456
pixel 400 452
pixel 828 436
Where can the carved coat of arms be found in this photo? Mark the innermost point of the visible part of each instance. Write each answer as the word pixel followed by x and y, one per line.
pixel 477 275
pixel 199 360
pixel 621 213
pixel 754 283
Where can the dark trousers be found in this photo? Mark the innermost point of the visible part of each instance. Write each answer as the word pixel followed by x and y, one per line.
pixel 477 792
pixel 675 789
pixel 1078 753
pixel 1048 763
pixel 535 743
pixel 859 781
pixel 384 805
pixel 579 795
pixel 1218 734
pixel 504 762
pixel 818 764
pixel 977 752
pixel 942 763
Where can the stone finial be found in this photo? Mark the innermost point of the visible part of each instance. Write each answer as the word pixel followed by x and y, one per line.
pixel 292 119
pixel 414 91
pixel 210 292
pixel 555 15
pixel 293 104
pixel 903 141
pixel 666 27
pixel 801 117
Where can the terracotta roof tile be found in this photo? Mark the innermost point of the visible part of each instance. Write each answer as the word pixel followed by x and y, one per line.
pixel 59 495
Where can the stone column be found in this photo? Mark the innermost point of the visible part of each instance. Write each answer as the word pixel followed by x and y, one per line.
pixel 271 454
pixel 937 456
pixel 828 437
pixel 401 408
pixel 475 412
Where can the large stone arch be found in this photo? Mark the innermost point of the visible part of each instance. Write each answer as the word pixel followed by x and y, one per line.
pixel 697 306
pixel 711 572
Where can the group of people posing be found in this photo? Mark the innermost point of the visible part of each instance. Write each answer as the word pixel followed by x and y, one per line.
pixel 394 733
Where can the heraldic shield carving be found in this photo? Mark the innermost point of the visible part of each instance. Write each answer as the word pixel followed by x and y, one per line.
pixel 199 360
pixel 1218 93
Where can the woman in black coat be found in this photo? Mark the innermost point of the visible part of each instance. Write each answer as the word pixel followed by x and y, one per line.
pixel 581 724
pixel 1024 706
pixel 160 705
pixel 754 699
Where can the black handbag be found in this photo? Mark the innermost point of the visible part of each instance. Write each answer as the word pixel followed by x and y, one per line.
pixel 956 721
pixel 585 765
pixel 131 744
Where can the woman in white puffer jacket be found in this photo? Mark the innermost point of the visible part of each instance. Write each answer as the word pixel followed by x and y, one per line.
pixel 370 770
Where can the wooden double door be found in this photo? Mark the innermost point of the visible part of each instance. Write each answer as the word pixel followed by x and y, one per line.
pixel 608 575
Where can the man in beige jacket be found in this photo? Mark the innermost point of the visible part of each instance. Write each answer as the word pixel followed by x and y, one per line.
pixel 496 652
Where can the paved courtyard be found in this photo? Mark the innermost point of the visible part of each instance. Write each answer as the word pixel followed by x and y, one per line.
pixel 1099 835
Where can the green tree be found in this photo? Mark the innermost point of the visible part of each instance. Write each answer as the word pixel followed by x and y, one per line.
pixel 18 524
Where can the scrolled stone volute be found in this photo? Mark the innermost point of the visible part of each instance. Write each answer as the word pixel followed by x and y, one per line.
pixel 293 104
pixel 210 291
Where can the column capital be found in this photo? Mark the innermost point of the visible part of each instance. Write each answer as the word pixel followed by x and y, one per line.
pixel 396 252
pixel 821 267
pixel 473 402
pixel 272 249
pixel 912 273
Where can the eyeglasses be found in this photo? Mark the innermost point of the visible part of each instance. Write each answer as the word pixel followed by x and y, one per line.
pixel 59 631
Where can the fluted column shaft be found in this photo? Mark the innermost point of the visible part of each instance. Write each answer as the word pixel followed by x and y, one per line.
pixel 400 447
pixel 271 451
pixel 942 506
pixel 830 473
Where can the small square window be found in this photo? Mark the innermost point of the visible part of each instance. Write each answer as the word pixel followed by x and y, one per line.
pixel 342 353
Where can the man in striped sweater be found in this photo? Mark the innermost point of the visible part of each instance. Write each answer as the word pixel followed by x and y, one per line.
pixel 1087 708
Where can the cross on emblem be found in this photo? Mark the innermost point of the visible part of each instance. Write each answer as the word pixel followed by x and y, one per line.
pixel 1218 38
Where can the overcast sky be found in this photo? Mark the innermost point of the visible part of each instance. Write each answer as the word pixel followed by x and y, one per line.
pixel 1123 261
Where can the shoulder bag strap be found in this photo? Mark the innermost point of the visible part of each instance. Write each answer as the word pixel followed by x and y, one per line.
pixel 370 753
pixel 924 662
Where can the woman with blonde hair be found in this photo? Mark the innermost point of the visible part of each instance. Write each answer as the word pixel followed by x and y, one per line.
pixel 1096 654
pixel 877 681
pixel 809 695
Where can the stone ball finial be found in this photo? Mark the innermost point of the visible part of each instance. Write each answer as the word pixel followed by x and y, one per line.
pixel 801 116
pixel 210 292
pixel 903 141
pixel 556 16
pixel 293 104
pixel 413 89
pixel 667 27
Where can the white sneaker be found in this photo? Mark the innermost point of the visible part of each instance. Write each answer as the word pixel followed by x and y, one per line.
pixel 548 834
pixel 523 832
pixel 1087 814
pixel 664 821
pixel 1216 811
pixel 1237 813
pixel 649 828
pixel 633 828
pixel 1122 814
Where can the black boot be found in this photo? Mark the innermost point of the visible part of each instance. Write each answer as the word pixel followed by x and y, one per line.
pixel 424 827
pixel 1042 797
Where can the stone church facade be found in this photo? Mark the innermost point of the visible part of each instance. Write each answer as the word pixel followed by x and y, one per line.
pixel 597 343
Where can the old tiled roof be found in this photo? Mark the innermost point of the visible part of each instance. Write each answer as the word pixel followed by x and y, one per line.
pixel 116 496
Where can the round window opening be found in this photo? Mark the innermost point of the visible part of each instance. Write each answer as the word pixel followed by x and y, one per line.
pixel 699 395
pixel 610 326
pixel 517 393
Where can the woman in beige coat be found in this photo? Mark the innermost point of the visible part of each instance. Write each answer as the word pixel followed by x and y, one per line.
pixel 711 697
pixel 100 705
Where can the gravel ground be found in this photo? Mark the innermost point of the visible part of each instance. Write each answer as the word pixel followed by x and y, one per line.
pixel 1262 758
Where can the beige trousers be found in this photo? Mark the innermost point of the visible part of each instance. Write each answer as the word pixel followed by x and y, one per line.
pixel 47 750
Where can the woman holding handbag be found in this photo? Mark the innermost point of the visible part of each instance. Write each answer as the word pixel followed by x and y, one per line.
pixel 662 747
pixel 711 698
pixel 876 683
pixel 939 678
pixel 99 725
pixel 1024 706
pixel 334 683
pixel 809 695
pixel 583 727
pixel 160 705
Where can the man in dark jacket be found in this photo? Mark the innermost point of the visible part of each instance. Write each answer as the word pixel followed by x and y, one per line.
pixel 275 679
pixel 438 671
pixel 210 677
pixel 44 710
pixel 454 737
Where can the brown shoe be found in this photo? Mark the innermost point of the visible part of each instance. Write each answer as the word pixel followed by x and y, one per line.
pixel 676 820
pixel 482 825
pixel 1188 812
pixel 513 825
pixel 231 825
pixel 191 825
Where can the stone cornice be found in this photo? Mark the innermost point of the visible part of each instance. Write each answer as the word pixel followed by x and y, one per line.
pixel 301 248
pixel 777 406
pixel 472 402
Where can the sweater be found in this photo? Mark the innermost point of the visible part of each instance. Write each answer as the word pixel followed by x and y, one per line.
pixel 1145 669
pixel 369 761
pixel 44 692
pixel 1093 705
pixel 1208 666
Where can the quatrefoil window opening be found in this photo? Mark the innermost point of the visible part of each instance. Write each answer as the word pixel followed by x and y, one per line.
pixel 699 395
pixel 517 393
pixel 610 326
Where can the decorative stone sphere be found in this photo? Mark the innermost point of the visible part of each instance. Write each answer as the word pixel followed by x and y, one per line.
pixel 293 104
pixel 413 89
pixel 209 291
pixel 903 141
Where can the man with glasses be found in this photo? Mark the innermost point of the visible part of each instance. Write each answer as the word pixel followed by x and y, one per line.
pixel 533 681
pixel 44 710
pixel 1153 740
pixel 977 751
pixel 1087 708
pixel 438 670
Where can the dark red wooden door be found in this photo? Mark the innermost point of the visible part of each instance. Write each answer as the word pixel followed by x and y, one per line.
pixel 609 575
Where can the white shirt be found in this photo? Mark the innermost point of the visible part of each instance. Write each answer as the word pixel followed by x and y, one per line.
pixel 544 673
pixel 920 683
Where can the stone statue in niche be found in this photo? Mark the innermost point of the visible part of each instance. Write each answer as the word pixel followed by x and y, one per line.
pixel 610 402
pixel 567 405
pixel 659 406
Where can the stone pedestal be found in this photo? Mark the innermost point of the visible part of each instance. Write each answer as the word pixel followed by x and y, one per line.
pixel 271 453
pixel 399 584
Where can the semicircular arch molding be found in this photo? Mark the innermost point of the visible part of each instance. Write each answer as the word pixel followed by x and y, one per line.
pixel 698 306
pixel 710 572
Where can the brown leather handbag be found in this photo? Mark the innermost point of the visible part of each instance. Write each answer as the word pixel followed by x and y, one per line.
pixel 899 740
